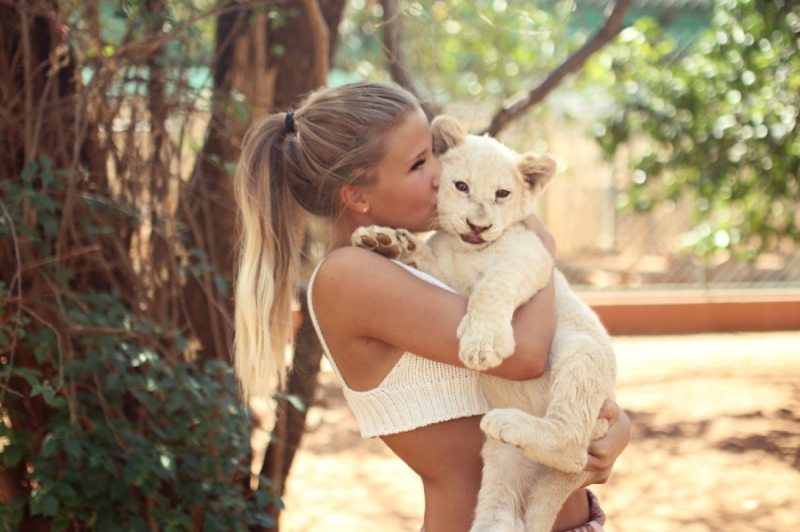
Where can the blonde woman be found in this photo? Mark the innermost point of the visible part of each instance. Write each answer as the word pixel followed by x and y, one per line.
pixel 361 155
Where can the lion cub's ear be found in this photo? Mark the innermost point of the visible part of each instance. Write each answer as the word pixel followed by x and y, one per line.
pixel 447 133
pixel 537 170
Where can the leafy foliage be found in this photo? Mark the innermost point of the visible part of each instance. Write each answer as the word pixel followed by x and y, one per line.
pixel 717 123
pixel 137 435
pixel 478 50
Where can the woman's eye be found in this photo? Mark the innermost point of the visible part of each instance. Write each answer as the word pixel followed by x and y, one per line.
pixel 460 185
pixel 501 194
pixel 418 164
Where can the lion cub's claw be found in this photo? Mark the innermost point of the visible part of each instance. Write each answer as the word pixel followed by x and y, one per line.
pixel 390 243
pixel 484 343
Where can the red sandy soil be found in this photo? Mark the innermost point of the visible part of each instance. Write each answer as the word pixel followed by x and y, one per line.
pixel 716 446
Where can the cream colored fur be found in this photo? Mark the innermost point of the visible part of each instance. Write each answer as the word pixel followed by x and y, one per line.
pixel 539 430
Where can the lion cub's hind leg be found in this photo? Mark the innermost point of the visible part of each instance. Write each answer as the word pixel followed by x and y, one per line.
pixel 579 386
pixel 507 477
pixel 397 244
pixel 551 489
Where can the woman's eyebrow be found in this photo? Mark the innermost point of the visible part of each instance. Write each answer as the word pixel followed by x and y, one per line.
pixel 417 156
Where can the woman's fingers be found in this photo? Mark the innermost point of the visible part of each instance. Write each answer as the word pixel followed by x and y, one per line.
pixel 610 411
pixel 604 451
pixel 600 456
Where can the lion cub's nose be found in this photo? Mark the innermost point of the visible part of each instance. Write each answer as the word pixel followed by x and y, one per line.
pixel 477 229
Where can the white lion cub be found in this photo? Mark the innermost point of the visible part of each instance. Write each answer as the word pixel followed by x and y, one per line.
pixel 539 430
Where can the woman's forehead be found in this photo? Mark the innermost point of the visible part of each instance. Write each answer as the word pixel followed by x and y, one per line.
pixel 409 139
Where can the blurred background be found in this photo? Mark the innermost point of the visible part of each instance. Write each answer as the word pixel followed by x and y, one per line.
pixel 675 212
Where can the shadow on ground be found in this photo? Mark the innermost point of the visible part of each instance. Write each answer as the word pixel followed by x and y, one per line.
pixel 715 446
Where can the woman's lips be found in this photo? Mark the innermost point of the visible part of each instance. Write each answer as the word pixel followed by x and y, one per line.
pixel 472 239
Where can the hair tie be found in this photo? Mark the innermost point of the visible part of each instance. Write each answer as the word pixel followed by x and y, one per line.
pixel 289 122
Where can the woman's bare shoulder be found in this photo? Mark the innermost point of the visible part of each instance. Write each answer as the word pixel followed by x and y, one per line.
pixel 346 261
pixel 354 273
pixel 374 297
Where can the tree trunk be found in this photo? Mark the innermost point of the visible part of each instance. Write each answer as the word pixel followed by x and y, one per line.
pixel 274 69
pixel 291 422
pixel 247 61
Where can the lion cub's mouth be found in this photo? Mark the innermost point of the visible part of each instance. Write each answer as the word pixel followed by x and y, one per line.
pixel 472 239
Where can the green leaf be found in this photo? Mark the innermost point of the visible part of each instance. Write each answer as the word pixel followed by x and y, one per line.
pixel 30 170
pixel 277 50
pixel 182 518
pixel 48 505
pixel 67 491
pixel 50 446
pixel 241 112
pixel 41 353
pixel 48 394
pixel 137 470
pixel 294 400
pixel 29 374
pixel 58 403
pixel 118 489
pixel 59 523
pixel 177 400
pixel 49 223
pixel 73 448
pixel 12 454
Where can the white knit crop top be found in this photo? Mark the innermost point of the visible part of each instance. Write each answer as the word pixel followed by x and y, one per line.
pixel 416 392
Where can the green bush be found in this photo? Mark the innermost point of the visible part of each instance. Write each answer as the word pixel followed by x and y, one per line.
pixel 131 435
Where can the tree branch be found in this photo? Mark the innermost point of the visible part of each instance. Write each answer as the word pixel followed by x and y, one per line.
pixel 321 40
pixel 393 52
pixel 610 29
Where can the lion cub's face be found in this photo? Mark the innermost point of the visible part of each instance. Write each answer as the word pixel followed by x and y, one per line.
pixel 485 186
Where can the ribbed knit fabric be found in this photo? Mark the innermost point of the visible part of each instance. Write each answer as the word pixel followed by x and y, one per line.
pixel 416 392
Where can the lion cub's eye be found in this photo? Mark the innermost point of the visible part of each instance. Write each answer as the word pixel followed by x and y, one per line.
pixel 502 194
pixel 463 187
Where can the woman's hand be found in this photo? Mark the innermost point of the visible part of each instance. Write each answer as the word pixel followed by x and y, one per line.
pixel 603 452
pixel 534 224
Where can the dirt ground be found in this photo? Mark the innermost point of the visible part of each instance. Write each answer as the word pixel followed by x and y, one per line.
pixel 716 446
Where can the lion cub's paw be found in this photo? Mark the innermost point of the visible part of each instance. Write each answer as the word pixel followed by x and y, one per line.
pixel 484 343
pixel 506 425
pixel 391 243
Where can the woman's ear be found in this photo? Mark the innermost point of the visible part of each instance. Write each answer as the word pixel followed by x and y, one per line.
pixel 353 198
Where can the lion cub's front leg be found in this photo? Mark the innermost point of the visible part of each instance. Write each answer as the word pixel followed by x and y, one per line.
pixel 522 268
pixel 397 244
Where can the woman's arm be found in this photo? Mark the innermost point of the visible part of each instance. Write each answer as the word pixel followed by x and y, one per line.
pixel 534 224
pixel 363 295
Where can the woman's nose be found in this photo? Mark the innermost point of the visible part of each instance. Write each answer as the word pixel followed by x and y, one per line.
pixel 437 174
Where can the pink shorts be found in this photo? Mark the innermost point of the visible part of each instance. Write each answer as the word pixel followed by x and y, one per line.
pixel 597 518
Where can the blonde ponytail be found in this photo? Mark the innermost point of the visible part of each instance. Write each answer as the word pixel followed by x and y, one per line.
pixel 335 139
pixel 268 262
